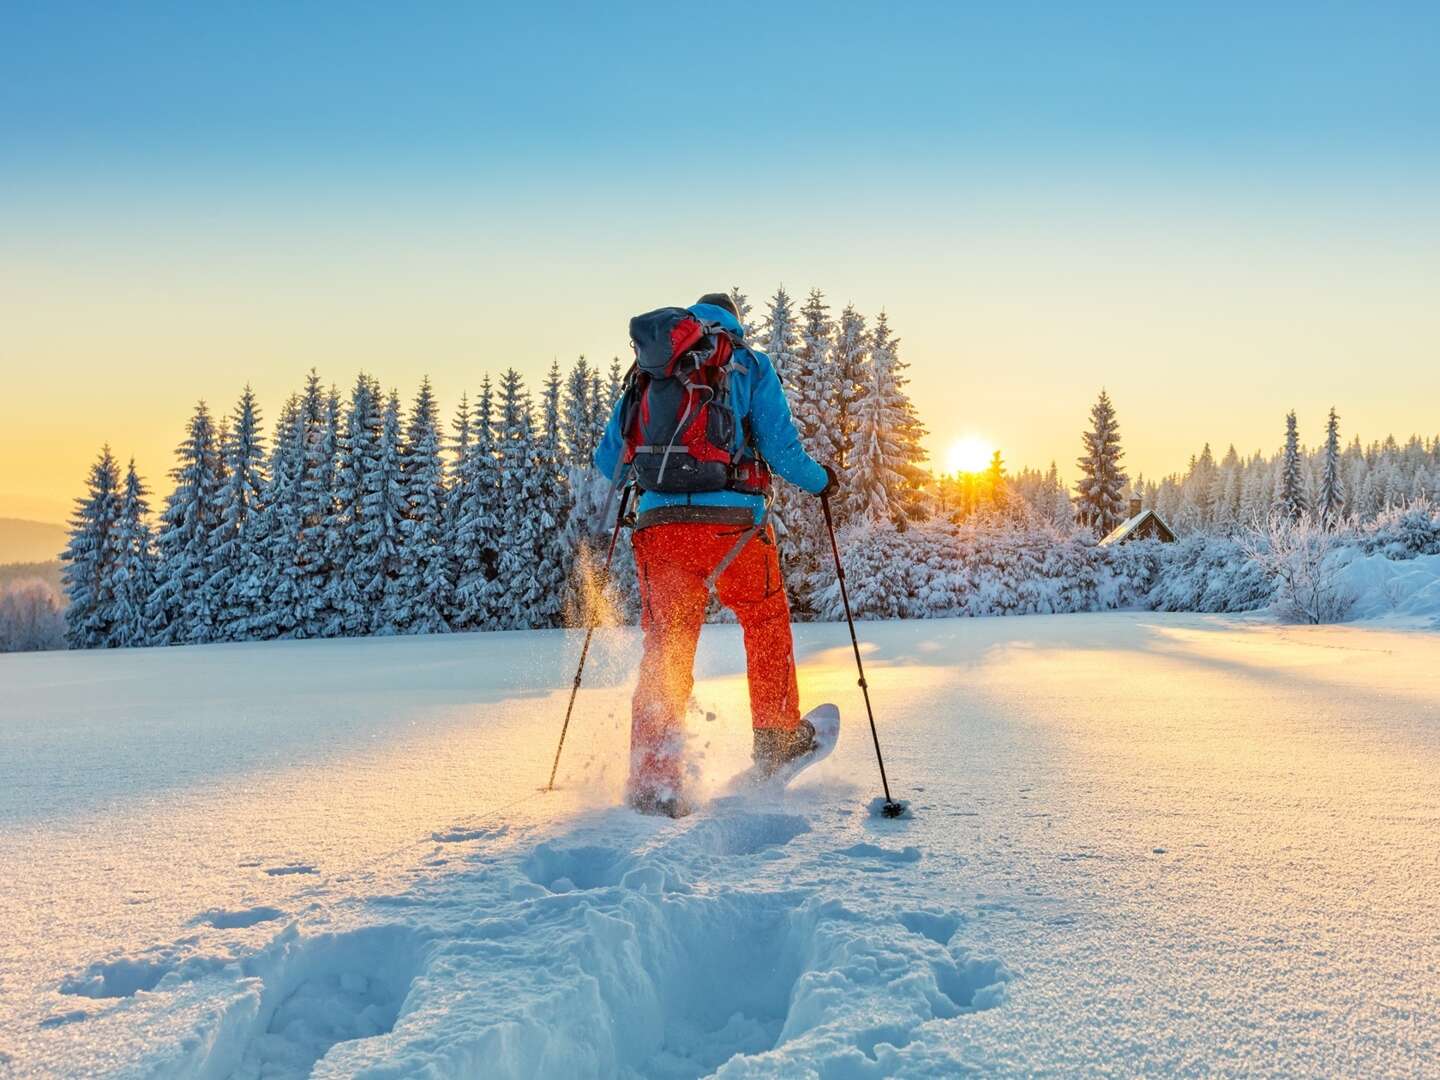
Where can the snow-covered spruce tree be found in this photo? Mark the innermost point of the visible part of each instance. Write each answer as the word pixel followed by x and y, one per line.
pixel 1099 500
pixel 477 527
pixel 330 618
pixel 90 559
pixel 1255 490
pixel 518 596
pixel 134 563
pixel 355 528
pixel 578 426
pixel 810 393
pixel 462 430
pixel 614 387
pixel 872 478
pixel 243 453
pixel 276 575
pixel 1290 481
pixel 997 490
pixel 884 474
pixel 555 545
pixel 383 537
pixel 850 374
pixel 1225 492
pixel 1053 505
pixel 424 582
pixel 804 548
pixel 907 433
pixel 1197 511
pixel 1396 486
pixel 1331 504
pixel 600 403
pixel 1356 468
pixel 779 336
pixel 316 612
pixel 1368 498
pixel 185 606
pixel 742 307
pixel 580 431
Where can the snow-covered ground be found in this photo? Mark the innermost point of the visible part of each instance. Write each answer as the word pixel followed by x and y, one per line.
pixel 1143 844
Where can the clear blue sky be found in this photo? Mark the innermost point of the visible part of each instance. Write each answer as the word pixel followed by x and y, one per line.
pixel 403 90
pixel 1046 197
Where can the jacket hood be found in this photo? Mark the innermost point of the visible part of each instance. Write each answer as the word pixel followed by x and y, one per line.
pixel 715 313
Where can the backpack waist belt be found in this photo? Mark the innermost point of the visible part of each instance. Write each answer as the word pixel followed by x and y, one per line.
pixel 681 513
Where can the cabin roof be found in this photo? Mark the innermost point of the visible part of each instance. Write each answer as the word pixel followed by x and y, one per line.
pixel 1127 528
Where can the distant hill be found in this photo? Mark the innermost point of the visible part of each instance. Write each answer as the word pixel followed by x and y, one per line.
pixel 48 572
pixel 36 507
pixel 30 541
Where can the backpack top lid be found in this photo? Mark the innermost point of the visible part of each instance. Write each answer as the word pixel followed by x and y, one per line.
pixel 661 337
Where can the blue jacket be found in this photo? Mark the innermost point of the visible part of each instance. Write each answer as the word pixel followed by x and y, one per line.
pixel 756 393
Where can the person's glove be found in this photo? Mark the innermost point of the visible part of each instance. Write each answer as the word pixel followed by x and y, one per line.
pixel 832 481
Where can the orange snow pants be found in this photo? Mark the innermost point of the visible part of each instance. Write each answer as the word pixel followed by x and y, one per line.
pixel 673 561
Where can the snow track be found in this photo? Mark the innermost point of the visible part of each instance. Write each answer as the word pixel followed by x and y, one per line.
pixel 652 958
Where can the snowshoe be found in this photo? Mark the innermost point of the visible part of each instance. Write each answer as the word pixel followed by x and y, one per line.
pixel 777 747
pixel 780 756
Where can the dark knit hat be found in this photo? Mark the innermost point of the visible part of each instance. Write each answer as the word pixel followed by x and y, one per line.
pixel 720 299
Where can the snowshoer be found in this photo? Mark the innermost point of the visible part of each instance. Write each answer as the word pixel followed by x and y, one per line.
pixel 702 424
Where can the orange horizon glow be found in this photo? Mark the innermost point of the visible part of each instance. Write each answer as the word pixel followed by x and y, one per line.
pixel 115 338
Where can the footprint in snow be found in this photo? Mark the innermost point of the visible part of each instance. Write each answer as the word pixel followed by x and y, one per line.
pixel 290 868
pixel 938 926
pixel 566 869
pixel 745 834
pixel 889 855
pixel 221 919
pixel 126 976
pixel 119 978
pixel 329 991
pixel 74 1016
pixel 458 835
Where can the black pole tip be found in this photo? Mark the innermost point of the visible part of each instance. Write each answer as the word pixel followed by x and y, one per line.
pixel 890 808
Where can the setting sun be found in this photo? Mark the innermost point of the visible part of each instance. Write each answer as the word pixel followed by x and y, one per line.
pixel 970 454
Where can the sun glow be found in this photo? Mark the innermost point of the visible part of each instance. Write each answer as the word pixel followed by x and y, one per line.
pixel 970 454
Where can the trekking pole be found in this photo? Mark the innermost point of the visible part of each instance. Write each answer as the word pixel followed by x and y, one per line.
pixel 891 808
pixel 589 633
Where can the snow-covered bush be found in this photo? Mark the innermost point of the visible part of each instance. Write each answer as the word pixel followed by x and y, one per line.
pixel 1303 557
pixel 1403 532
pixel 889 573
pixel 1205 572
pixel 31 617
pixel 938 569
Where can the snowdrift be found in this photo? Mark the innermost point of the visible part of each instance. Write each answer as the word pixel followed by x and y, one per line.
pixel 1379 587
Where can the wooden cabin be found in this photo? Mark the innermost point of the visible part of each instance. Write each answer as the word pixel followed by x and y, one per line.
pixel 1142 524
